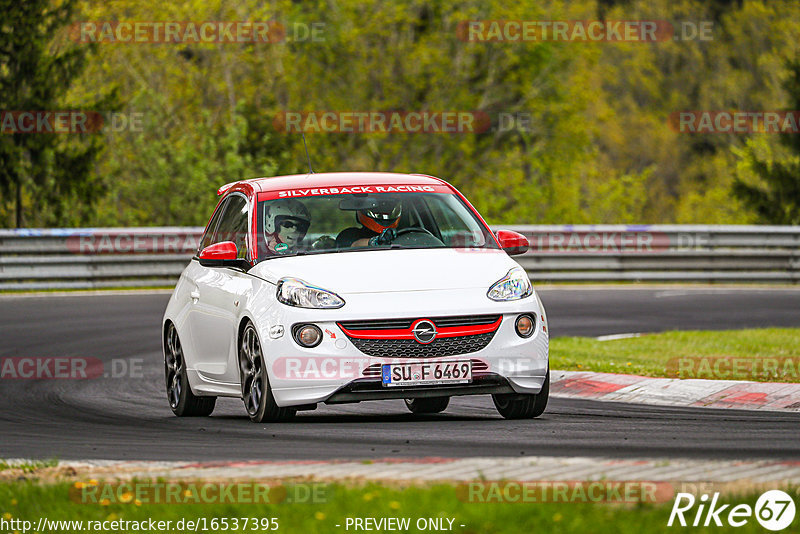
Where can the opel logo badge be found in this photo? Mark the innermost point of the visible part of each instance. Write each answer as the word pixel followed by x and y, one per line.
pixel 424 332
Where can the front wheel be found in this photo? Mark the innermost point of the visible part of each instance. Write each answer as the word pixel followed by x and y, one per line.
pixel 183 402
pixel 256 391
pixel 514 406
pixel 428 405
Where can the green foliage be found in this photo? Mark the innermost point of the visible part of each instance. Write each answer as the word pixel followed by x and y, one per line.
pixel 597 146
pixel 27 466
pixel 183 173
pixel 36 71
pixel 777 201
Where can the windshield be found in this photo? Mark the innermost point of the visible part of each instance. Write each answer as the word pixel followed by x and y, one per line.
pixel 367 221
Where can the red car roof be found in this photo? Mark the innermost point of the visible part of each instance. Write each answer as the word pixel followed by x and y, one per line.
pixel 329 179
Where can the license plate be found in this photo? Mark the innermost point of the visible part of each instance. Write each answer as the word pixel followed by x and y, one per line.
pixel 426 373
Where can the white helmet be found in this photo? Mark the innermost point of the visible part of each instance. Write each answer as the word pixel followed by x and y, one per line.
pixel 275 212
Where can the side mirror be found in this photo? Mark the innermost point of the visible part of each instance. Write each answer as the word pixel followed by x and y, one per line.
pixel 512 242
pixel 222 254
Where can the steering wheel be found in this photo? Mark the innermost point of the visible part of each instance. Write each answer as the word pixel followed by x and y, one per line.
pixel 417 237
pixel 417 229
pixel 390 236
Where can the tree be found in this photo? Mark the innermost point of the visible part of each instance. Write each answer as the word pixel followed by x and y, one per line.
pixel 36 71
pixel 590 141
pixel 777 200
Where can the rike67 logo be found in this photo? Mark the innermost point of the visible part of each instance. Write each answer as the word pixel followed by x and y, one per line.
pixel 774 510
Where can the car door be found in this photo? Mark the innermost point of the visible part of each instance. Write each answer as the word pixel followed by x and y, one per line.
pixel 217 295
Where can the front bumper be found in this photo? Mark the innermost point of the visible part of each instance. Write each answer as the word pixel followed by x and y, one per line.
pixel 336 371
pixel 369 389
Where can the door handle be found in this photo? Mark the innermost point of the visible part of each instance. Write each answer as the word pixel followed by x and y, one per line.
pixel 195 294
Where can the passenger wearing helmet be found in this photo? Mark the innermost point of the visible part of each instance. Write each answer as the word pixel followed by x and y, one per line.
pixel 374 221
pixel 285 225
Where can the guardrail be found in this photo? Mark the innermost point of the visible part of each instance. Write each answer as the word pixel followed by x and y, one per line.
pixel 33 259
pixel 84 258
pixel 706 253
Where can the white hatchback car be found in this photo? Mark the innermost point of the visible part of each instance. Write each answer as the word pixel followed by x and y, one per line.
pixel 346 287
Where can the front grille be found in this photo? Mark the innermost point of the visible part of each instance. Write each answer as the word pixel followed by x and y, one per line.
pixel 386 324
pixel 405 324
pixel 464 320
pixel 372 370
pixel 409 348
pixel 478 366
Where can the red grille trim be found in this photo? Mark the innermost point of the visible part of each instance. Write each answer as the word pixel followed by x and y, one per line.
pixel 408 333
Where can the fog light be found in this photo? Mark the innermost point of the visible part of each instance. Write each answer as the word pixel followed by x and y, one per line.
pixel 307 335
pixel 525 325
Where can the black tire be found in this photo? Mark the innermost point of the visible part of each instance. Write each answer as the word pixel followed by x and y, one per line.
pixel 513 406
pixel 428 404
pixel 256 391
pixel 183 402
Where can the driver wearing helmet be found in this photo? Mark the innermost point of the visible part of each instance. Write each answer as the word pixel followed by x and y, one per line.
pixel 285 225
pixel 374 222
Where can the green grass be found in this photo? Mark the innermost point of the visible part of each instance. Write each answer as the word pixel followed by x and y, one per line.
pixel 27 466
pixel 31 500
pixel 765 354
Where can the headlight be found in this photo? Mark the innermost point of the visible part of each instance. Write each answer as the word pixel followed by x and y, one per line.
pixel 513 286
pixel 294 292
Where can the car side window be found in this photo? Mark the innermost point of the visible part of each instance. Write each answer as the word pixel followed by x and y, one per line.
pixel 233 225
pixel 208 236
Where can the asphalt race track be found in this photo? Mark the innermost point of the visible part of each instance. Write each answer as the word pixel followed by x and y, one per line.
pixel 129 418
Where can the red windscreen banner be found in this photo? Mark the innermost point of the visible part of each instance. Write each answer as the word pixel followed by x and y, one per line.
pixel 302 192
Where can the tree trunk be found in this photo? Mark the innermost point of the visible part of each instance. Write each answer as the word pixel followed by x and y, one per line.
pixel 19 204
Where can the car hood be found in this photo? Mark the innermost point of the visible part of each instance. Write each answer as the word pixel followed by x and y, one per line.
pixel 392 270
